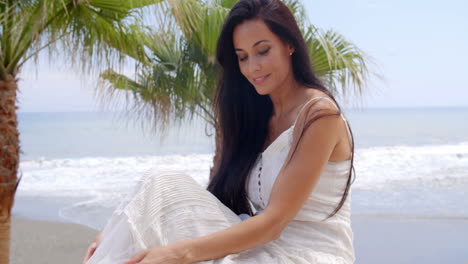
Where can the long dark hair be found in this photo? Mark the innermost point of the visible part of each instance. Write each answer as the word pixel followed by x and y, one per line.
pixel 242 115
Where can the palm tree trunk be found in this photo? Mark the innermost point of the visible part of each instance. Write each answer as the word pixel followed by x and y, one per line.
pixel 9 160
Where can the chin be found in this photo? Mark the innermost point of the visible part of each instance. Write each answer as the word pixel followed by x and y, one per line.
pixel 263 90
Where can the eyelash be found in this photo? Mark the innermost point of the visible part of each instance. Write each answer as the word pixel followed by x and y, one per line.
pixel 261 53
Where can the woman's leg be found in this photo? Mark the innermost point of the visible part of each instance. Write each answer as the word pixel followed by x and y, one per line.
pixel 167 207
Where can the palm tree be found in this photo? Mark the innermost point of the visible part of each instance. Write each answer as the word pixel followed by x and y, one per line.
pixel 89 33
pixel 180 78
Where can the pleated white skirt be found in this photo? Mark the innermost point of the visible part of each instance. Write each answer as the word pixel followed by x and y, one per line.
pixel 170 206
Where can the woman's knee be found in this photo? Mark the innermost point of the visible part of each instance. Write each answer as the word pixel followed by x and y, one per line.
pixel 156 176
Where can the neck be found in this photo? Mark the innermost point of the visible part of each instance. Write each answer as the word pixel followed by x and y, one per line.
pixel 288 98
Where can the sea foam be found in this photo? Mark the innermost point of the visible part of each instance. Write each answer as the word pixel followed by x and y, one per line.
pixel 101 183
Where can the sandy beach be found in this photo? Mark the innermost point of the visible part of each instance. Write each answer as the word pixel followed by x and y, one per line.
pixel 378 239
pixel 41 242
pixel 415 240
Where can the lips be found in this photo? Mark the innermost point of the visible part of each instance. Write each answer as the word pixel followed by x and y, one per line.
pixel 260 79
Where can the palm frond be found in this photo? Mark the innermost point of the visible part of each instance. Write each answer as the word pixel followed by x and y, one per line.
pixel 299 12
pixel 338 62
pixel 180 79
pixel 91 32
pixel 200 23
pixel 226 3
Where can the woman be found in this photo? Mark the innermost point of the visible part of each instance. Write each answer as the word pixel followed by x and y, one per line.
pixel 279 191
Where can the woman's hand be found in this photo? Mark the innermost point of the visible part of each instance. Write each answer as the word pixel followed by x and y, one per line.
pixel 92 247
pixel 160 255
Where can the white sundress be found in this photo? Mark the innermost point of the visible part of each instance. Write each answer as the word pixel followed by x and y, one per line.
pixel 169 206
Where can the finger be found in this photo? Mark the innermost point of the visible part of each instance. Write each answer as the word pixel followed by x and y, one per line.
pixel 137 258
pixel 89 252
pixel 92 250
pixel 87 256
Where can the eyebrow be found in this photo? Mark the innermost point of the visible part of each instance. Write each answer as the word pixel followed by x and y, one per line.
pixel 256 43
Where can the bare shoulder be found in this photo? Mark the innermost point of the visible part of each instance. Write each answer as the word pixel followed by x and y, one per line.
pixel 331 122
pixel 320 118
pixel 323 119
pixel 319 105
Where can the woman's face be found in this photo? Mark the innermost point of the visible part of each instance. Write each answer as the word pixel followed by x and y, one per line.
pixel 264 59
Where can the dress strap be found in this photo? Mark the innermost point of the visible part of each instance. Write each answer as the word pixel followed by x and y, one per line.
pixel 331 101
pixel 306 103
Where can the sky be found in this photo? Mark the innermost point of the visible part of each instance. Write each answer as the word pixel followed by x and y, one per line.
pixel 418 47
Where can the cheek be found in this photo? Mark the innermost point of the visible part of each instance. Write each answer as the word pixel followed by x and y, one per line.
pixel 280 59
pixel 243 70
pixel 276 61
pixel 268 63
pixel 282 64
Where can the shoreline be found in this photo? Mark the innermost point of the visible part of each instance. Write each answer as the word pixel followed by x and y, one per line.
pixel 376 240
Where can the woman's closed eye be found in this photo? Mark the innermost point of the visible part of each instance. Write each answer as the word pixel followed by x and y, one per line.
pixel 263 52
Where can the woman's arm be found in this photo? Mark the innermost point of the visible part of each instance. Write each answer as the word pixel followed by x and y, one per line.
pixel 252 232
pixel 292 187
pixel 290 191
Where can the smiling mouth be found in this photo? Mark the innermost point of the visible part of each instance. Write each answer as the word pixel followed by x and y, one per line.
pixel 260 80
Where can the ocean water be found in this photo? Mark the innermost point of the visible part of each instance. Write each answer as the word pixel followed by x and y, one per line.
pixel 79 166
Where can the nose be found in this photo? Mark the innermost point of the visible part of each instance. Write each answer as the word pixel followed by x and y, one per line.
pixel 254 65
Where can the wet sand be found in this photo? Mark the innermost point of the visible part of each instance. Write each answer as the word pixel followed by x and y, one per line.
pixel 377 239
